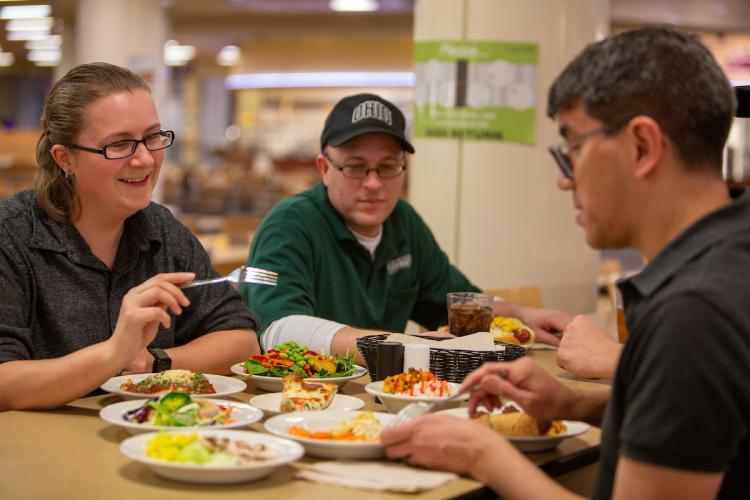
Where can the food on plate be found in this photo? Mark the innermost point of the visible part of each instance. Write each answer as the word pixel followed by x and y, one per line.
pixel 205 450
pixel 361 427
pixel 171 380
pixel 178 409
pixel 512 331
pixel 416 383
pixel 299 395
pixel 291 358
pixel 511 421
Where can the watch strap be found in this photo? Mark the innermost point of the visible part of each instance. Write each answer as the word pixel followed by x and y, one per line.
pixel 162 361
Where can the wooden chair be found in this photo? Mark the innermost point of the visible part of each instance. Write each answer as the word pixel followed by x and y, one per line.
pixel 526 296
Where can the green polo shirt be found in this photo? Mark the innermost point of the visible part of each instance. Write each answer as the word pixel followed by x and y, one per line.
pixel 325 272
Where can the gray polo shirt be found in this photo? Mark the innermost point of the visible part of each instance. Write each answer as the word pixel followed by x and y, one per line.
pixel 57 297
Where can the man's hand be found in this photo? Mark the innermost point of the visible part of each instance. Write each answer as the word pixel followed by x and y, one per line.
pixel 587 350
pixel 440 442
pixel 545 322
pixel 523 381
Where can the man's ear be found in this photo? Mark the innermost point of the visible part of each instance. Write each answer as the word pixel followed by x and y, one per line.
pixel 650 145
pixel 322 166
pixel 63 158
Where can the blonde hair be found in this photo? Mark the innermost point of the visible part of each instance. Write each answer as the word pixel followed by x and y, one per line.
pixel 62 121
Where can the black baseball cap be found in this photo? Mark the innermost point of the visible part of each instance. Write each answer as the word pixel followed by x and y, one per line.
pixel 743 101
pixel 363 114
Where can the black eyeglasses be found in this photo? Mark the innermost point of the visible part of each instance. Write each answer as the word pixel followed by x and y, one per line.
pixel 561 153
pixel 122 149
pixel 387 171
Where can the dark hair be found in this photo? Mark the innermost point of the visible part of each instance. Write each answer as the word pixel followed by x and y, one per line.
pixel 62 121
pixel 659 72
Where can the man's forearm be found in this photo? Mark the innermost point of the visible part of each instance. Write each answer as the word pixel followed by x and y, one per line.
pixel 588 406
pixel 345 341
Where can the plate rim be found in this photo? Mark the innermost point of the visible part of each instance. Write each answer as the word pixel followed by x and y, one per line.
pixel 278 461
pixel 583 427
pixel 269 378
pixel 317 415
pixel 122 406
pixel 369 388
pixel 115 381
pixel 270 395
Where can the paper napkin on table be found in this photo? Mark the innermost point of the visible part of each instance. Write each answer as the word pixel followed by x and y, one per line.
pixel 481 341
pixel 380 476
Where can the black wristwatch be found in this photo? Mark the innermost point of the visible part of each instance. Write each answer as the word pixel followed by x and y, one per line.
pixel 162 361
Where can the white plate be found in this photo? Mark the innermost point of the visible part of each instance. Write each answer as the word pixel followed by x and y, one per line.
pixel 271 402
pixel 288 451
pixel 274 384
pixel 224 386
pixel 529 444
pixel 324 421
pixel 394 402
pixel 242 413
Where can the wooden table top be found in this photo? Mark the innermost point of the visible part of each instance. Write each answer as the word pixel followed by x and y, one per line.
pixel 71 453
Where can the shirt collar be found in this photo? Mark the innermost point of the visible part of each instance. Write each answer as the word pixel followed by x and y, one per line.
pixel 707 232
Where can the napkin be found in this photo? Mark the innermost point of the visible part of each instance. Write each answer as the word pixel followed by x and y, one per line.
pixel 379 476
pixel 480 341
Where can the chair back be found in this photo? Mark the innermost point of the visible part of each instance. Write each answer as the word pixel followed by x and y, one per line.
pixel 525 296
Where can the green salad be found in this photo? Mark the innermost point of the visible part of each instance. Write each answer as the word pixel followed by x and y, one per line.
pixel 291 358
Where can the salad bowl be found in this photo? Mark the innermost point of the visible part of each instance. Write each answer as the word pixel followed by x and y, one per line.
pixel 275 384
pixel 285 451
pixel 242 415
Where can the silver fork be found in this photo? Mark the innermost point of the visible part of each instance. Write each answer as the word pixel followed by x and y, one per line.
pixel 241 275
pixel 413 410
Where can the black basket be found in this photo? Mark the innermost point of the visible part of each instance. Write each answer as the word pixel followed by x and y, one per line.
pixel 447 364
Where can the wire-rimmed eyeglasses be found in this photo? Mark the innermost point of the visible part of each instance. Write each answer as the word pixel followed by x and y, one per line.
pixel 385 171
pixel 124 148
pixel 561 152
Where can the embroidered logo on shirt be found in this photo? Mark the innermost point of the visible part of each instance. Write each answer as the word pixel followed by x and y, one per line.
pixel 372 109
pixel 402 262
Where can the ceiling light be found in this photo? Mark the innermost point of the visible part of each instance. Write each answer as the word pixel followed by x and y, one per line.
pixel 27 35
pixel 353 5
pixel 51 42
pixel 43 23
pixel 176 54
pixel 44 55
pixel 25 11
pixel 325 79
pixel 228 56
pixel 46 63
pixel 6 58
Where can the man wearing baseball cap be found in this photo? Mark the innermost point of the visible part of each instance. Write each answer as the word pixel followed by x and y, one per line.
pixel 353 258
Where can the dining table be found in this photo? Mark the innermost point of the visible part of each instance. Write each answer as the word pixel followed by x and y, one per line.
pixel 70 452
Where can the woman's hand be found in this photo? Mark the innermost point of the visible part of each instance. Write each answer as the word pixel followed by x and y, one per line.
pixel 143 309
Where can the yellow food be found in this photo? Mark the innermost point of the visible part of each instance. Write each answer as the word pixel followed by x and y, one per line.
pixel 512 331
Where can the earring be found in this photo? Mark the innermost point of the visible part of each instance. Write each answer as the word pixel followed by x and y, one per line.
pixel 68 175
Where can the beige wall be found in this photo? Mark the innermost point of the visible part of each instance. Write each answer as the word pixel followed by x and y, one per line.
pixel 494 206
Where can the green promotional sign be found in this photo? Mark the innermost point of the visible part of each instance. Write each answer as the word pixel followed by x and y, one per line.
pixel 476 90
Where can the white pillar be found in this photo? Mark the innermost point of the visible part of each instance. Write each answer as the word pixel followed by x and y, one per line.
pixel 494 206
pixel 128 33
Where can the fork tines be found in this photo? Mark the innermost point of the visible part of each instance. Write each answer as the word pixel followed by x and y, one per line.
pixel 259 276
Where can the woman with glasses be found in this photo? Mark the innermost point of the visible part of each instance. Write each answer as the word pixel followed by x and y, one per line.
pixel 91 268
